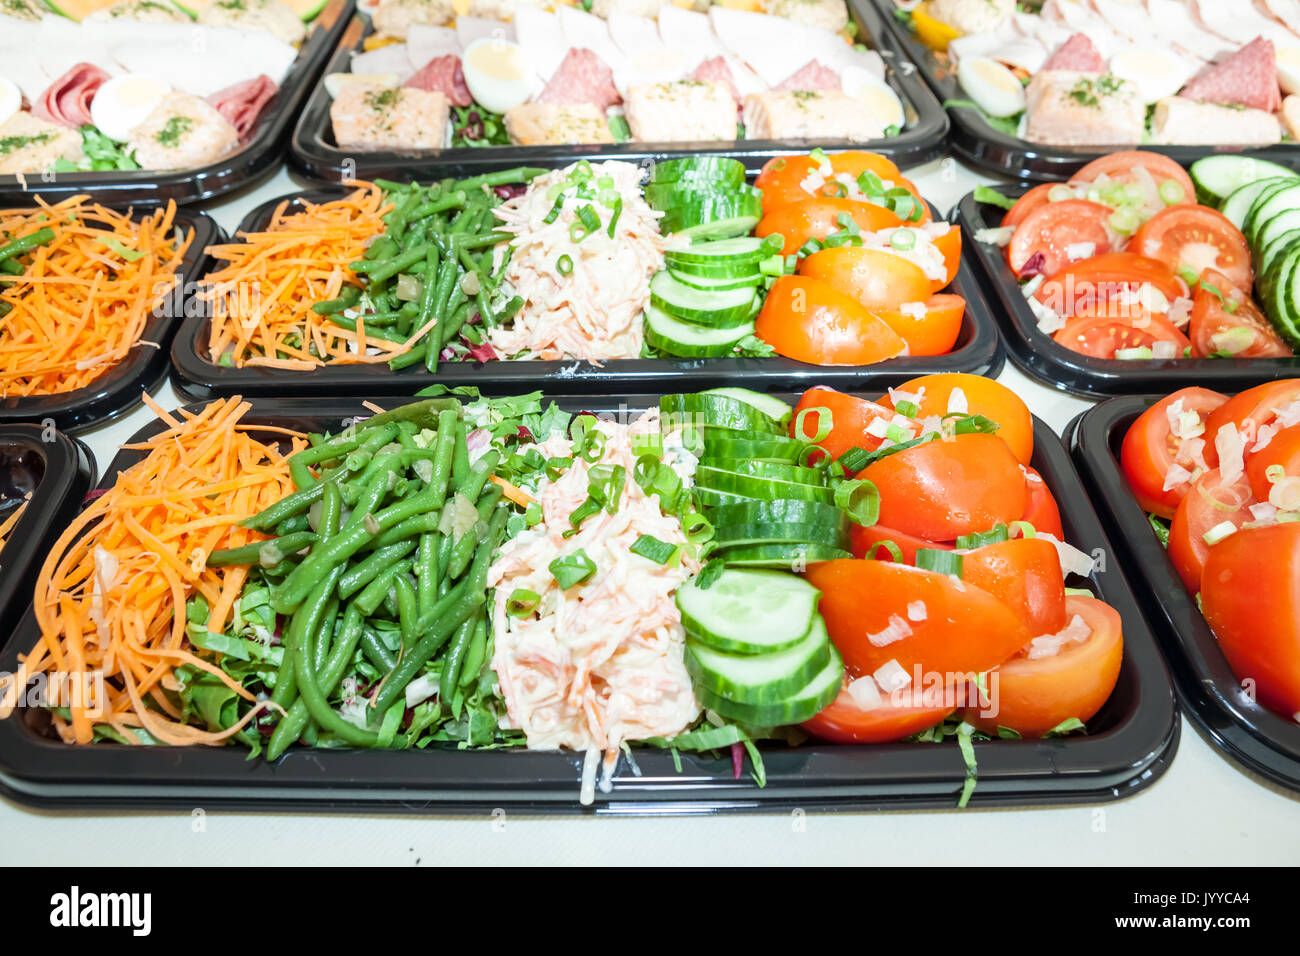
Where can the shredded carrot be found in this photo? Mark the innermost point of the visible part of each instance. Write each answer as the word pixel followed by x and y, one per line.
pixel 262 298
pixel 84 297
pixel 514 492
pixel 111 597
pixel 7 525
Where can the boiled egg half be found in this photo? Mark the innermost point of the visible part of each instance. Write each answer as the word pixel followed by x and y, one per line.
pixel 124 102
pixel 991 85
pixel 1288 69
pixel 11 99
pixel 874 93
pixel 498 74
pixel 1155 74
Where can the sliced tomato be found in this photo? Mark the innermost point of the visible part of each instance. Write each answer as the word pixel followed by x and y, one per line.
pixel 934 331
pixel 876 279
pixel 1102 335
pixel 1253 408
pixel 1219 311
pixel 1196 237
pixel 1282 451
pixel 979 396
pixel 1108 283
pixel 949 243
pixel 868 542
pixel 813 218
pixel 850 419
pixel 1250 593
pixel 1033 695
pixel 1041 243
pixel 1025 574
pixel 810 320
pixel 963 631
pixel 782 178
pixel 1150 449
pixel 942 489
pixel 1041 511
pixel 1210 501
pixel 844 722
pixel 1122 167
pixel 1038 196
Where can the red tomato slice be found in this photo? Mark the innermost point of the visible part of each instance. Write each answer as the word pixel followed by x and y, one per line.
pixel 813 218
pixel 850 418
pixel 1104 283
pixel 935 331
pixel 1213 328
pixel 1250 593
pixel 950 245
pixel 1032 696
pixel 1282 451
pixel 1041 242
pixel 1042 511
pixel 943 489
pixel 1150 448
pixel 983 396
pixel 1120 167
pixel 1025 574
pixel 1253 408
pixel 964 630
pixel 1197 237
pixel 810 320
pixel 1209 503
pixel 844 722
pixel 1101 336
pixel 878 280
pixel 868 543
pixel 1038 196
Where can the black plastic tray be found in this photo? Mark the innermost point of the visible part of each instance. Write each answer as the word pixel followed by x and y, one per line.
pixel 118 390
pixel 1134 736
pixel 1044 358
pixel 193 375
pixel 57 471
pixel 978 143
pixel 315 156
pixel 1246 732
pixel 257 160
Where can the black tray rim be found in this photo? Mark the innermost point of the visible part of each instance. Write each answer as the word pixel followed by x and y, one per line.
pixel 995 152
pixel 118 391
pixel 1040 357
pixel 1241 729
pixel 315 160
pixel 257 160
pixel 1127 757
pixel 69 473
pixel 979 351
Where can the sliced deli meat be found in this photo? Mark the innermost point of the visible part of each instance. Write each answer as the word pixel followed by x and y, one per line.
pixel 716 70
pixel 681 112
pixel 583 77
pixel 1179 121
pixel 1072 108
pixel 811 76
pixel 368 117
pixel 556 124
pixel 243 103
pixel 1246 78
pixel 809 114
pixel 444 74
pixel 67 100
pixel 1078 54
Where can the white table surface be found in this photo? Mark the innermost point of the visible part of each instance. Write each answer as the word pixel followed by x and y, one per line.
pixel 1204 810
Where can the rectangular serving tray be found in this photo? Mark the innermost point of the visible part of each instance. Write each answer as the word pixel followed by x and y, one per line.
pixel 315 157
pixel 1239 727
pixel 1131 743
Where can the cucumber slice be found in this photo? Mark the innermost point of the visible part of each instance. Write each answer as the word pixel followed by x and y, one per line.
pixel 784 556
pixel 688 340
pixel 1216 177
pixel 761 489
pixel 1280 295
pixel 1271 203
pixel 1237 206
pixel 716 283
pixel 809 513
pixel 1279 225
pixel 775 408
pixel 720 308
pixel 701 208
pixel 684 192
pixel 798 706
pixel 717 168
pixel 1269 253
pixel 711 499
pixel 759 678
pixel 722 228
pixel 766 469
pixel 722 258
pixel 703 409
pixel 779 532
pixel 749 612
pixel 773 451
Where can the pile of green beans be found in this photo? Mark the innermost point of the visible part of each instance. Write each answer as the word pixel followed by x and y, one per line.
pixel 361 549
pixel 435 261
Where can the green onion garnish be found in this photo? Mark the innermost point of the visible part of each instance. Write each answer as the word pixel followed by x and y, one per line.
pixel 940 562
pixel 572 569
pixel 1171 192
pixel 903 239
pixel 613 219
pixel 825 422
pixel 860 499
pixel 650 547
pixel 564 264
pixel 522 602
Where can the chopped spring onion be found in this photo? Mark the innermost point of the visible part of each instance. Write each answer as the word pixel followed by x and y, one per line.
pixel 697 528
pixel 613 219
pixel 564 264
pixel 825 422
pixel 1024 527
pixel 860 499
pixel 1171 192
pixel 605 484
pixel 578 232
pixel 554 214
pixel 1125 220
pixel 870 184
pixel 855 459
pixel 846 222
pixel 897 433
pixel 1189 275
pixel 940 562
pixel 908 409
pixel 522 602
pixel 651 548
pixel 1060 192
pixel 895 552
pixel 903 239
pixel 808 248
pixel 1219 532
pixel 571 569
pixel 996 535
pixel 772 266
pixel 1141 352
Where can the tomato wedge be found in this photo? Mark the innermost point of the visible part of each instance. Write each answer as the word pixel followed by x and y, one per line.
pixel 964 630
pixel 1282 451
pixel 844 722
pixel 1102 335
pixel 1150 448
pixel 1041 244
pixel 1121 167
pixel 1033 695
pixel 1025 574
pixel 868 542
pixel 934 330
pixel 1258 406
pixel 1041 511
pixel 1211 501
pixel 813 218
pixel 949 243
pixel 1038 196
pixel 810 320
pixel 942 489
pixel 878 280
pixel 850 418
pixel 1225 321
pixel 980 396
pixel 1107 282
pixel 1196 237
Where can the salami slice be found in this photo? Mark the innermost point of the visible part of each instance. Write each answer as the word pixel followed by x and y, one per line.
pixel 583 77
pixel 67 100
pixel 1077 54
pixel 811 76
pixel 445 75
pixel 716 70
pixel 1246 78
pixel 242 103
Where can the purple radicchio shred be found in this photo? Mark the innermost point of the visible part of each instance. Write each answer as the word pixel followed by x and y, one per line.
pixel 1033 265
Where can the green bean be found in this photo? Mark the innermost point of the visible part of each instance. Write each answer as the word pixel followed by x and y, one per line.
pixel 460 465
pixel 445 451
pixel 477 476
pixel 435 627
pixel 374 488
pixel 463 551
pixel 350 296
pixel 331 510
pixel 423 413
pixel 252 553
pixel 288 507
pixel 27 243
pixel 373 594
pixel 408 614
pixel 320 641
pixel 318 705
pixel 365 571
pixel 372 645
pixel 426 571
pixel 446 277
pixel 407 528
pixel 381 270
pixel 454 658
pixel 292 525
pixel 454 200
pixel 503 177
pixel 381 248
pixel 292 725
pixel 476 654
pixel 306 619
pixel 343 322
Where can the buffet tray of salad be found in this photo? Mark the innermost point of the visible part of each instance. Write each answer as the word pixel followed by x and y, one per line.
pixel 416 83
pixel 1036 90
pixel 43 476
pixel 1138 275
pixel 1200 489
pixel 90 297
pixel 826 267
pixel 150 100
pixel 685 602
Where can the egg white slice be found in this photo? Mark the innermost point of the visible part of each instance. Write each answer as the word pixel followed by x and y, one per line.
pixel 1155 74
pixel 995 88
pixel 498 74
pixel 1288 69
pixel 875 94
pixel 124 102
pixel 11 99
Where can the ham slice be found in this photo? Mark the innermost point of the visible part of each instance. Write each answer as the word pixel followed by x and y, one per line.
pixel 1077 54
pixel 242 103
pixel 1247 78
pixel 811 76
pixel 67 100
pixel 583 77
pixel 444 74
